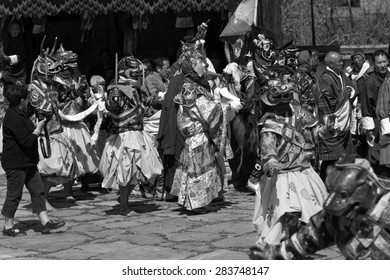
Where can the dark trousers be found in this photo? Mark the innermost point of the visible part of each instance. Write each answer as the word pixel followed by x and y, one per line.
pixel 324 165
pixel 16 179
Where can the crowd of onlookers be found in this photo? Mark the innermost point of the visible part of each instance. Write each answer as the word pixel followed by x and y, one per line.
pixel 192 106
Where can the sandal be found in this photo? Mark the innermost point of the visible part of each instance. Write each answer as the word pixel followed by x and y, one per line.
pixel 13 232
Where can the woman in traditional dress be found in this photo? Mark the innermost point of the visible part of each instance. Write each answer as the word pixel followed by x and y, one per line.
pixel 129 156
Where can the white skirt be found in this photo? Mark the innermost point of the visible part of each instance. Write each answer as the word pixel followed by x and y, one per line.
pixel 296 191
pixel 129 158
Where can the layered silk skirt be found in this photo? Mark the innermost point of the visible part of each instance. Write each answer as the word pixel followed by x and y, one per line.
pixel 71 154
pixel 129 158
pixel 199 176
pixel 295 191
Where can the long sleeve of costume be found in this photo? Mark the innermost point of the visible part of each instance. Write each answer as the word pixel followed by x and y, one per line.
pixel 268 150
pixel 212 114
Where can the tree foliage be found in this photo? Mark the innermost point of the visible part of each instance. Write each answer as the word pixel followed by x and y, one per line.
pixel 334 24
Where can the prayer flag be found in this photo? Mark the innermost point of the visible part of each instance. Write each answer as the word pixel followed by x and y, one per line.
pixel 241 20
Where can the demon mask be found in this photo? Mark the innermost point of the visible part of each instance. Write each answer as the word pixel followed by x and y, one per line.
pixel 354 189
pixel 277 90
pixel 131 70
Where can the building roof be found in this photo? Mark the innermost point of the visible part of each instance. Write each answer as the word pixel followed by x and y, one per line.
pixel 38 8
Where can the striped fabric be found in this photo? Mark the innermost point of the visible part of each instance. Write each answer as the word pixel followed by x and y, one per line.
pixel 370 97
pixel 38 8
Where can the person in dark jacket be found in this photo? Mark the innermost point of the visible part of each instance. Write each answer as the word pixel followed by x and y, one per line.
pixel 19 160
pixel 14 56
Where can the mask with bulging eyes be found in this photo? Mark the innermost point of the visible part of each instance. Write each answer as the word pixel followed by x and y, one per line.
pixel 353 190
pixel 277 91
pixel 131 70
pixel 193 61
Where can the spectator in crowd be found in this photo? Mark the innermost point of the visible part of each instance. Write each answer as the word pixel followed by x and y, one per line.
pixel 106 67
pixel 19 160
pixel 157 80
pixel 357 72
pixel 14 56
pixel 371 124
pixel 147 62
pixel 334 106
pixel 382 112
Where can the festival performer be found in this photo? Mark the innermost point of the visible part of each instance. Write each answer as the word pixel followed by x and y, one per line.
pixel 199 176
pixel 240 76
pixel 289 192
pixel 355 218
pixel 129 156
pixel 58 93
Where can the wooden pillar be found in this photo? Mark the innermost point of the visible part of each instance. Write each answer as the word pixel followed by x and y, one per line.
pixel 270 17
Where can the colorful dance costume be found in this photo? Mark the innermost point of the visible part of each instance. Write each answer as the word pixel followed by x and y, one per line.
pixel 129 156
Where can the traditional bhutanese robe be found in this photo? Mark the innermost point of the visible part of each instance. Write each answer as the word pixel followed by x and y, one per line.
pixel 369 100
pixel 199 176
pixel 333 100
pixel 382 112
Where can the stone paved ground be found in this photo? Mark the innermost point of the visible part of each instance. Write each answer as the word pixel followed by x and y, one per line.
pixel 155 230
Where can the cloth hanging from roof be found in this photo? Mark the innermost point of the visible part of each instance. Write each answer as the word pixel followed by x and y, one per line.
pixel 31 8
pixel 241 21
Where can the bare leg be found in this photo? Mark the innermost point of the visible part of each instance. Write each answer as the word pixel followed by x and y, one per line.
pixel 47 185
pixel 43 217
pixel 9 222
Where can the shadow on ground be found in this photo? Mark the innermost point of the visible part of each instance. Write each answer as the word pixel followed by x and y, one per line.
pixel 137 207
